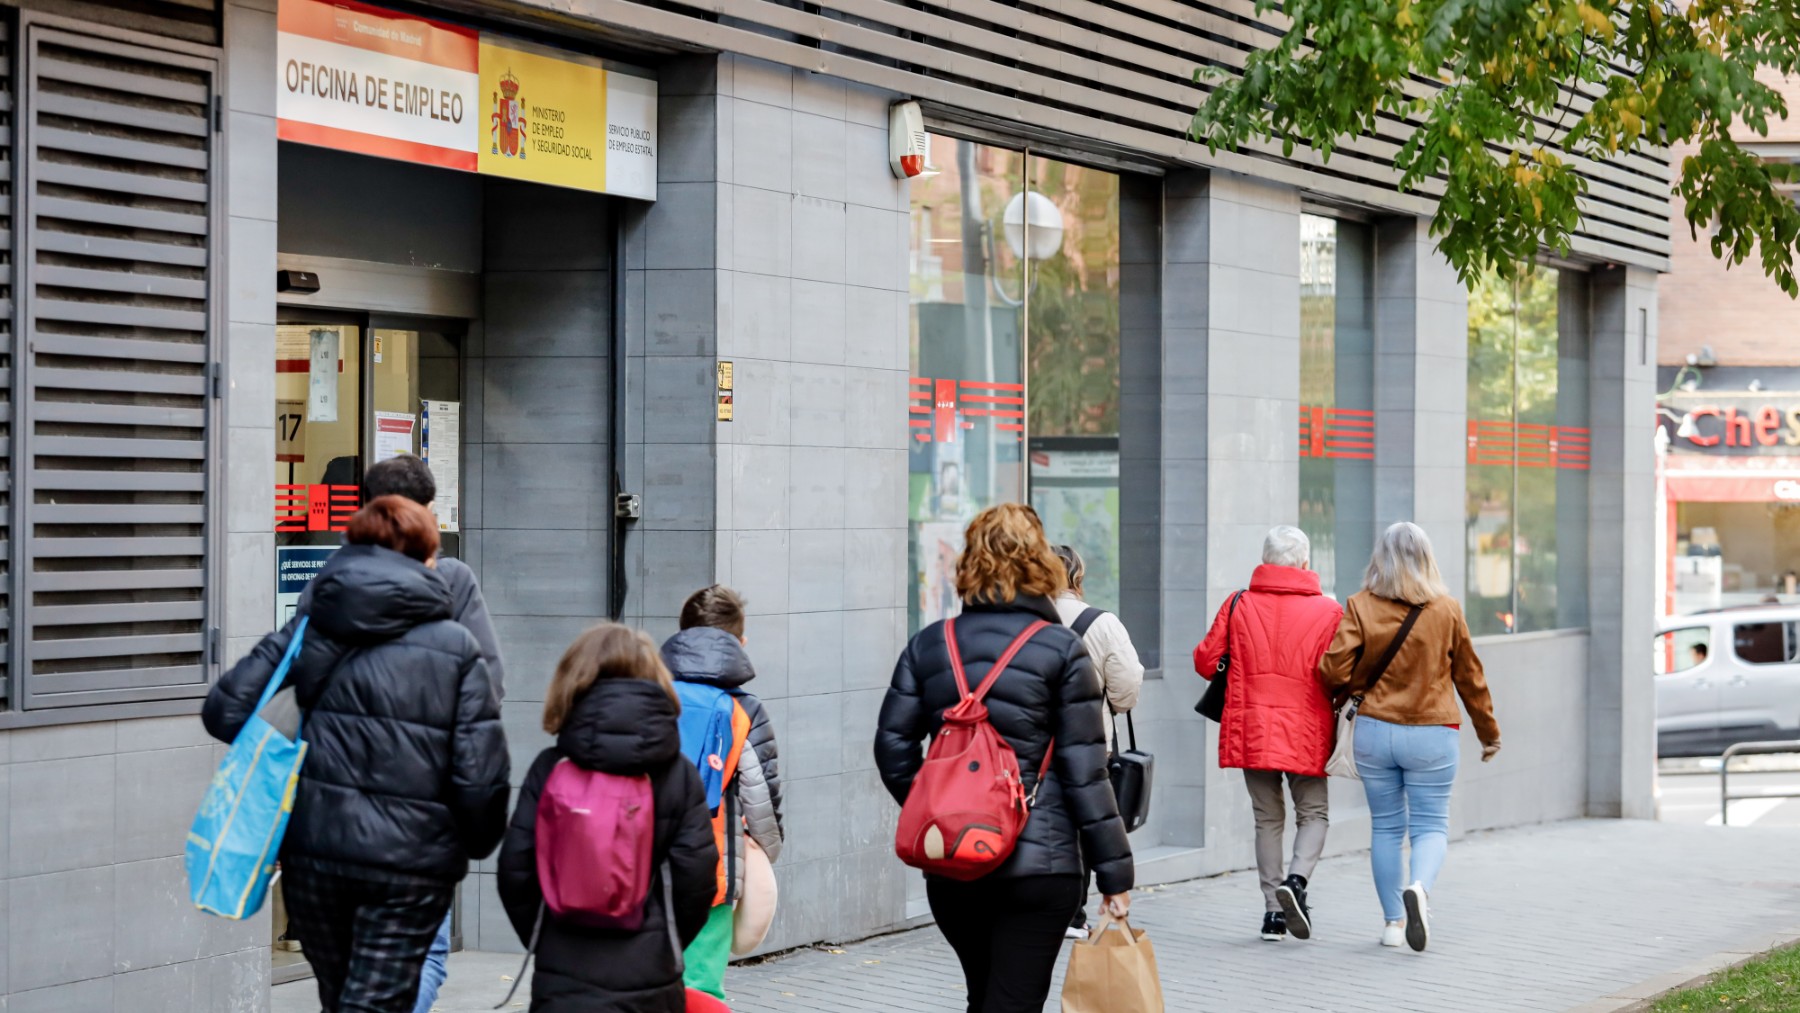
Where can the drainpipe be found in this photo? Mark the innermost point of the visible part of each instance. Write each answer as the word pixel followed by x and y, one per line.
pixel 627 507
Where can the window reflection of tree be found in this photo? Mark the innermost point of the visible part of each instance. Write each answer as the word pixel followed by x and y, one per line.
pixel 1513 378
pixel 1074 311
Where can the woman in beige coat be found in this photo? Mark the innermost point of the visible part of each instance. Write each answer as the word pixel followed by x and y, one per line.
pixel 1115 660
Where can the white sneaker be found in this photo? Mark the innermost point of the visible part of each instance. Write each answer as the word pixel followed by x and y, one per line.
pixel 1393 934
pixel 1074 933
pixel 1418 927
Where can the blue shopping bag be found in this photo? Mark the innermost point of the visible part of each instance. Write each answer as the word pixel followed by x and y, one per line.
pixel 236 836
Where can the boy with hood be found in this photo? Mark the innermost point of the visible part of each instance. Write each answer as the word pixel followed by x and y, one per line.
pixel 709 652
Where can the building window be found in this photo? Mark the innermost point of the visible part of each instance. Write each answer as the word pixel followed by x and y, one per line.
pixel 1528 453
pixel 1015 360
pixel 1337 399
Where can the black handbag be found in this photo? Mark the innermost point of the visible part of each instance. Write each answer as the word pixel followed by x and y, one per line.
pixel 1212 702
pixel 1131 771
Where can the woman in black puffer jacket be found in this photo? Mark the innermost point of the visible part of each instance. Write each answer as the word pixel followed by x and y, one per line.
pixel 612 708
pixel 1008 926
pixel 406 768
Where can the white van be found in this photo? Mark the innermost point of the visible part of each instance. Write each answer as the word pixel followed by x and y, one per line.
pixel 1725 676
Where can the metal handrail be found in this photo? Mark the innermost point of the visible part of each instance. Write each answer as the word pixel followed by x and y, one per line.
pixel 1749 749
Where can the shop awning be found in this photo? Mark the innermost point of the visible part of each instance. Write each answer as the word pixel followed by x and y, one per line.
pixel 1732 480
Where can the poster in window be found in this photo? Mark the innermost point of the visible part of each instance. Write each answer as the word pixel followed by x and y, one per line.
pixel 393 435
pixel 295 567
pixel 1076 492
pixel 441 446
pixel 322 376
pixel 939 546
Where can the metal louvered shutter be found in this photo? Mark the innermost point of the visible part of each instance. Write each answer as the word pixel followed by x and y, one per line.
pixel 116 388
pixel 6 354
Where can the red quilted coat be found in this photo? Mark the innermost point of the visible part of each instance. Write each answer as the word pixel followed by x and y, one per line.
pixel 1277 716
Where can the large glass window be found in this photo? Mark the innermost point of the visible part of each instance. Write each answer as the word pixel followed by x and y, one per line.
pixel 1527 452
pixel 1072 326
pixel 1337 399
pixel 1015 348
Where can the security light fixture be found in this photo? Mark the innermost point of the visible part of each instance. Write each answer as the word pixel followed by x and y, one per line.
pixel 297 282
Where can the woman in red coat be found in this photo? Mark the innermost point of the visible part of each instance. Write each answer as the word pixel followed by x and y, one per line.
pixel 1277 718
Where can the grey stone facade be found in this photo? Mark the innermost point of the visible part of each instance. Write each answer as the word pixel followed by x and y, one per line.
pixel 779 243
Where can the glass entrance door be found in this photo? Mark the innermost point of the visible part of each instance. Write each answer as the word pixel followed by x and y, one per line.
pixel 416 407
pixel 353 389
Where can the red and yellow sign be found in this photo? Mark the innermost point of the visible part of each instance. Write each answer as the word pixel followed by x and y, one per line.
pixel 544 115
pixel 378 82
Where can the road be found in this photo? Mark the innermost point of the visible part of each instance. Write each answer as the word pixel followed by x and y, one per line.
pixel 1690 791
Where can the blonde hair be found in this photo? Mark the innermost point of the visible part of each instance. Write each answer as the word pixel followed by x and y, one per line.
pixel 1006 556
pixel 605 651
pixel 1403 567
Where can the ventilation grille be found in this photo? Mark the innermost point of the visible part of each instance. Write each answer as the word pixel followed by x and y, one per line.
pixel 6 352
pixel 116 387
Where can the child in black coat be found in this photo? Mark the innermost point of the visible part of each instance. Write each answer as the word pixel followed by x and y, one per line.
pixel 612 708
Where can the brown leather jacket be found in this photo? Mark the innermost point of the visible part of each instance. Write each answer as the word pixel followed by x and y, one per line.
pixel 1416 690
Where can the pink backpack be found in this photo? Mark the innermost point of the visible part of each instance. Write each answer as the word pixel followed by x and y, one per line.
pixel 594 832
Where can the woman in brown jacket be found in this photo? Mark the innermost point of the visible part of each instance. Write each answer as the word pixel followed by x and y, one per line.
pixel 1406 729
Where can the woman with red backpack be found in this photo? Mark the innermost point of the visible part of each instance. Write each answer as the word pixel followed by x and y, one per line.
pixel 1004 894
pixel 607 921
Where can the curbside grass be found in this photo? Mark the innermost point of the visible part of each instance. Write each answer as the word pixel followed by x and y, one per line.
pixel 1766 984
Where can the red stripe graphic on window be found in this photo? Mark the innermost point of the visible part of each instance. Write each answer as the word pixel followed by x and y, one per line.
pixel 1528 445
pixel 315 507
pixel 1337 433
pixel 938 409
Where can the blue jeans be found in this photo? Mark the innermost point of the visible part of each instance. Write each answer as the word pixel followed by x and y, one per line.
pixel 1406 772
pixel 431 978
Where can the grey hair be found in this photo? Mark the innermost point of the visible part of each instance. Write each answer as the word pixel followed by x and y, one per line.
pixel 1073 564
pixel 1403 567
pixel 1286 545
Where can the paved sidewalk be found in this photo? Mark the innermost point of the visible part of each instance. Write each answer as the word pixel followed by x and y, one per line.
pixel 1545 918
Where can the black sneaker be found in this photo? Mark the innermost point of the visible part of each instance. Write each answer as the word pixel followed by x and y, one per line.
pixel 1291 894
pixel 1274 928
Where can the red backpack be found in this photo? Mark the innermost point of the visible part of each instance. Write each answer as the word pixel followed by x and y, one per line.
pixel 594 836
pixel 967 805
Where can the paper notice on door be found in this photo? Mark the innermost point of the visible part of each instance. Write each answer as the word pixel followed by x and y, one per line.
pixel 322 378
pixel 292 343
pixel 393 435
pixel 441 440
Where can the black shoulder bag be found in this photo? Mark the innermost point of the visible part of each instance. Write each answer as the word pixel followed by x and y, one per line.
pixel 1212 704
pixel 1130 770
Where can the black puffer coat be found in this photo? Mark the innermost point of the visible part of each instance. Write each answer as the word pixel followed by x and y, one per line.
pixel 406 768
pixel 1049 691
pixel 620 727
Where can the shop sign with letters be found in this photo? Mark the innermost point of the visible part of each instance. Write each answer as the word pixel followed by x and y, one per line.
pixel 379 82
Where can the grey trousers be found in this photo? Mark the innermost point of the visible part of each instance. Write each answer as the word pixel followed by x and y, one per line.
pixel 1311 804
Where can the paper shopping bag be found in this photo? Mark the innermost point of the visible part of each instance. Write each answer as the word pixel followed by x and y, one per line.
pixel 1112 971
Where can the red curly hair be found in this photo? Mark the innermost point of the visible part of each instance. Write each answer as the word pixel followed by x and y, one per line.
pixel 1006 556
pixel 397 523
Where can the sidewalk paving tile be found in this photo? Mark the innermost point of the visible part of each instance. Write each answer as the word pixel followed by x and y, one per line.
pixel 1572 916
